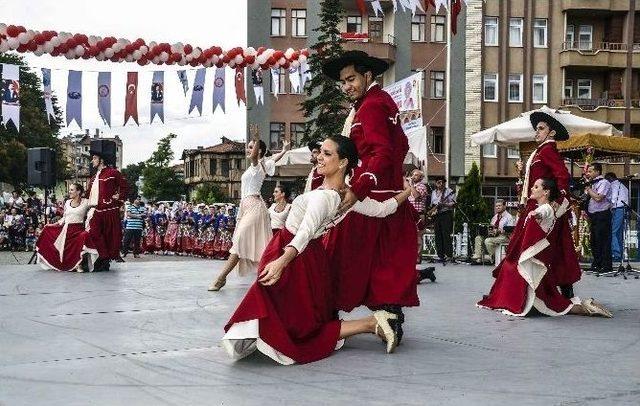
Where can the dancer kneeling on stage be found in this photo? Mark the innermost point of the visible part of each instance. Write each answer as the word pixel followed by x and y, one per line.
pixel 60 245
pixel 524 281
pixel 288 313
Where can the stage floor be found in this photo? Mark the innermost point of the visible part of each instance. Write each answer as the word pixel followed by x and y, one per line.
pixel 147 333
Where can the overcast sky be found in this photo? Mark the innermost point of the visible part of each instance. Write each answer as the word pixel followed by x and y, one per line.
pixel 201 23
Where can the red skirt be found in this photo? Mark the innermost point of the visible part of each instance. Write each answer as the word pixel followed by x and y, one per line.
pixel 149 241
pixel 293 320
pixel 104 233
pixel 374 260
pixel 171 237
pixel 530 253
pixel 48 255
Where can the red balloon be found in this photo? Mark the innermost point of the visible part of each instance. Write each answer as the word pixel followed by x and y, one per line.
pixel 32 46
pixel 286 65
pixel 55 52
pixel 208 53
pixel 271 61
pixel 175 57
pixel 114 58
pixel 142 61
pixel 265 66
pixel 261 50
pixel 22 48
pixel 226 59
pixel 278 54
pixel 219 64
pixel 193 63
pixel 188 49
pixel 71 43
pixel 63 48
pixel 250 59
pixel 13 31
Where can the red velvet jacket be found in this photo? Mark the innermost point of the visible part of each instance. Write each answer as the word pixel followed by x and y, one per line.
pixel 111 182
pixel 548 163
pixel 381 143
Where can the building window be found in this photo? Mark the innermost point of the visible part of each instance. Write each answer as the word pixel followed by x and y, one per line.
pixel 281 84
pixel 225 167
pixel 584 88
pixel 376 28
pixel 489 150
pixel 568 89
pixel 491 31
pixel 540 33
pixel 515 32
pixel 278 22
pixel 515 88
pixel 296 132
pixel 438 28
pixel 192 168
pixel 513 152
pixel 239 164
pixel 299 23
pixel 418 27
pixel 491 87
pixel 437 85
pixel 437 140
pixel 585 37
pixel 539 91
pixel 569 37
pixel 213 167
pixel 276 135
pixel 354 24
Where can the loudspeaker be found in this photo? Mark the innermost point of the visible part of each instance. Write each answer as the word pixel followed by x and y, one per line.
pixel 41 167
pixel 105 149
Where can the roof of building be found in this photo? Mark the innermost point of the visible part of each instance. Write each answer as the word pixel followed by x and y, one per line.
pixel 227 146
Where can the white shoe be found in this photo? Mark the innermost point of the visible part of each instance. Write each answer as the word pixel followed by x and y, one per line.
pixel 382 326
pixel 594 308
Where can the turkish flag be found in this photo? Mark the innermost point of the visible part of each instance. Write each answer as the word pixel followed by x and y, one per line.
pixel 428 3
pixel 240 95
pixel 131 99
pixel 456 7
pixel 361 6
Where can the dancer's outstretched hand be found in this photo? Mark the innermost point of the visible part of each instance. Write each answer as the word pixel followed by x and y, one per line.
pixel 271 273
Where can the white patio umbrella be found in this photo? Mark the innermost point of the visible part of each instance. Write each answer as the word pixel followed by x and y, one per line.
pixel 519 129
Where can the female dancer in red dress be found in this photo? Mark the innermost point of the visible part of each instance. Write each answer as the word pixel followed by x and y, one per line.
pixel 60 244
pixel 288 313
pixel 524 279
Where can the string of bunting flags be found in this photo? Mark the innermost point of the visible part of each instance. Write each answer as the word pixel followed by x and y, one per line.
pixel 10 90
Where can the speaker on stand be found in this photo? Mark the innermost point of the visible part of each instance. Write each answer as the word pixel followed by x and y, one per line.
pixel 41 172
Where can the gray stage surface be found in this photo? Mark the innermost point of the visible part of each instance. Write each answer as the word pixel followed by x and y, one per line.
pixel 147 334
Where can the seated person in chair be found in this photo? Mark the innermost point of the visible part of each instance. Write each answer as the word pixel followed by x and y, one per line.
pixel 496 233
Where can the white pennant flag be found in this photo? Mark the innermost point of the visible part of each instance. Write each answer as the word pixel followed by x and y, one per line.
pixel 275 81
pixel 157 96
pixel 258 90
pixel 395 5
pixel 406 4
pixel 305 71
pixel 377 7
pixel 218 89
pixel 294 79
pixel 11 95
pixel 46 93
pixel 416 4
pixel 182 75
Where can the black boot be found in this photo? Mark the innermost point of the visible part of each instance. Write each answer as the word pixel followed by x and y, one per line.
pixel 567 291
pixel 426 273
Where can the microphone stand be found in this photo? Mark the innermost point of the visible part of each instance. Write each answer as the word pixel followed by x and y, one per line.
pixel 627 269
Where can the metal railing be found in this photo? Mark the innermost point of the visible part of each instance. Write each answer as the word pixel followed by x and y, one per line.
pixel 595 104
pixel 594 47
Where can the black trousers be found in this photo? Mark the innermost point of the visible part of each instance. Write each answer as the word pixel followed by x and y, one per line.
pixel 443 229
pixel 601 240
pixel 129 235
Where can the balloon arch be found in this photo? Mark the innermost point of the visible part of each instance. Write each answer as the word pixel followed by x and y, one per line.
pixel 81 46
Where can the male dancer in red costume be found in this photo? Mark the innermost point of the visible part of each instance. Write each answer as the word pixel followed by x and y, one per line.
pixel 374 258
pixel 106 193
pixel 546 162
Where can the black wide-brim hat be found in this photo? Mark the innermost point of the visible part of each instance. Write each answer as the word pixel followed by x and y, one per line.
pixel 333 66
pixel 561 131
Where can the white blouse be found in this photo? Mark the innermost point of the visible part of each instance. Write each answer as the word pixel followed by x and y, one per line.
pixel 252 178
pixel 548 216
pixel 312 213
pixel 278 218
pixel 74 215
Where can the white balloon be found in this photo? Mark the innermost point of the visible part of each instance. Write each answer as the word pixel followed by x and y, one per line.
pixel 282 61
pixel 79 50
pixel 255 65
pixel 182 61
pixel 288 53
pixel 23 38
pixel 189 57
pixel 295 64
pixel 177 47
pixel 144 49
pixel 302 58
pixel 262 59
pixel 3 28
pixel 137 54
pixel 214 59
pixel 197 52
pixel 156 59
pixel 152 44
pixel 13 43
pixel 109 52
pixel 55 41
pixel 4 46
pixel 100 57
pixel 238 59
pixel 48 47
pixel 164 57
pixel 129 58
pixel 70 54
pixel 117 47
pixel 232 64
pixel 250 51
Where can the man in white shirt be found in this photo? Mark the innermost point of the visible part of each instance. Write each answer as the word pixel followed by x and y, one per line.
pixel 497 235
pixel 619 197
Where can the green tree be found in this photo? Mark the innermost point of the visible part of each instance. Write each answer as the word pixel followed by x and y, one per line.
pixel 325 107
pixel 132 172
pixel 35 130
pixel 209 194
pixel 469 197
pixel 160 181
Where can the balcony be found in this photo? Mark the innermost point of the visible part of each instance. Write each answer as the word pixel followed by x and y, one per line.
pixel 587 5
pixel 385 50
pixel 605 110
pixel 602 54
